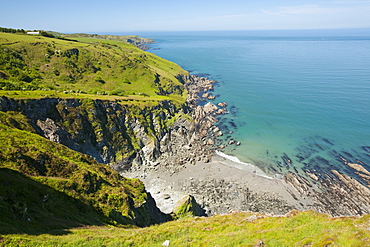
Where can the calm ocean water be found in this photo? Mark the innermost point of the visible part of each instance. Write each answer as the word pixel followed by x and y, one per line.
pixel 302 96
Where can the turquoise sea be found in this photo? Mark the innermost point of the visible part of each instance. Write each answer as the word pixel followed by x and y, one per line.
pixel 296 99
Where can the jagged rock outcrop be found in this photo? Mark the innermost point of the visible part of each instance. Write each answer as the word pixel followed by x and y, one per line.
pixel 148 213
pixel 52 131
pixel 196 86
pixel 209 108
pixel 187 206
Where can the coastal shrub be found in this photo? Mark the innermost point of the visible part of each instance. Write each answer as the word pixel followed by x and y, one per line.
pixel 100 80
pixel 11 30
pixel 18 85
pixel 118 91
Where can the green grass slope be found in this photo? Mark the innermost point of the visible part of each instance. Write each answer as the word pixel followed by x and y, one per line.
pixel 237 229
pixel 47 186
pixel 85 65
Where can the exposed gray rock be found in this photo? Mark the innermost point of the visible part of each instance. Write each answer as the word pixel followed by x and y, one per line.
pixel 222 104
pixel 210 142
pixel 209 108
pixel 231 142
pixel 52 131
pixel 220 111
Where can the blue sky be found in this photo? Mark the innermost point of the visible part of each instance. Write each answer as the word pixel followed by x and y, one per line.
pixel 190 15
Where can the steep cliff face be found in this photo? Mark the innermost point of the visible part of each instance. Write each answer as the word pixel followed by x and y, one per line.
pixel 112 133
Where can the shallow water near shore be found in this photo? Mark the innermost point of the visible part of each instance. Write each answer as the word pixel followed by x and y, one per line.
pixel 296 99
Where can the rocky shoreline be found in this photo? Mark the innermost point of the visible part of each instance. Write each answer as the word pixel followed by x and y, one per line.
pixel 189 150
pixel 188 165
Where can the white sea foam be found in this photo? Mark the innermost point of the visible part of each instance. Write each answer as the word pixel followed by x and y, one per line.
pixel 242 165
pixel 232 158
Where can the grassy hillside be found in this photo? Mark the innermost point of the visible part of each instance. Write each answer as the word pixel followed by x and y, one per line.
pixel 47 186
pixel 238 229
pixel 85 65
